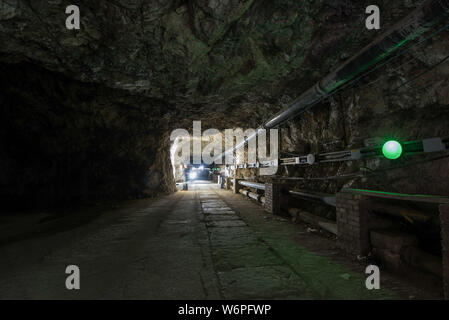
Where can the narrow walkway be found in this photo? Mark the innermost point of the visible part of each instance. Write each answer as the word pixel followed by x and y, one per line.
pixel 246 267
pixel 257 256
pixel 204 243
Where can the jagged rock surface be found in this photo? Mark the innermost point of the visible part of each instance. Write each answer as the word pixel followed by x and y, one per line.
pixel 99 103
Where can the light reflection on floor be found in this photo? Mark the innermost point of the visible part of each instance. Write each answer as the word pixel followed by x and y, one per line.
pixel 197 185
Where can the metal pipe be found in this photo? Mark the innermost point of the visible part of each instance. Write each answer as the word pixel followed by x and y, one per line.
pixel 421 20
pixel 255 185
pixel 411 27
pixel 328 225
pixel 328 199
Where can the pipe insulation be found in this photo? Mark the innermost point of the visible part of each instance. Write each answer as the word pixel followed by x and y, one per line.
pixel 421 20
pixel 255 185
pixel 326 198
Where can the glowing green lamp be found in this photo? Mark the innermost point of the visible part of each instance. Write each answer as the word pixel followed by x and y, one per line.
pixel 392 150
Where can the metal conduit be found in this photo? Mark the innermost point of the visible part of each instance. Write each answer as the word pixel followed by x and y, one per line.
pixel 330 200
pixel 411 27
pixel 250 184
pixel 326 198
pixel 421 20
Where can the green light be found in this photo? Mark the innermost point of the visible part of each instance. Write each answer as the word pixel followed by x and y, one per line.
pixel 392 150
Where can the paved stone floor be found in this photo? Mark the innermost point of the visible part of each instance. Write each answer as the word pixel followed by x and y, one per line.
pixel 204 243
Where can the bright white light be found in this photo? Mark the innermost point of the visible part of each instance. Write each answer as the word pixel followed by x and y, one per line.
pixel 193 175
pixel 201 168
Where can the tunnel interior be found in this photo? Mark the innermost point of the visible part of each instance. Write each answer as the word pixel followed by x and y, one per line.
pixel 87 116
pixel 54 123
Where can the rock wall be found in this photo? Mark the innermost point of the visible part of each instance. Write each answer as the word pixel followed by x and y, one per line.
pixel 64 141
pixel 86 113
pixel 406 100
pixel 215 54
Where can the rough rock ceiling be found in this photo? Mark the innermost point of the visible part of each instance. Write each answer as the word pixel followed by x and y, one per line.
pixel 87 114
pixel 201 54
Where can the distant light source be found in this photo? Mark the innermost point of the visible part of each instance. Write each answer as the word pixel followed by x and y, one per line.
pixel 192 175
pixel 392 150
pixel 201 168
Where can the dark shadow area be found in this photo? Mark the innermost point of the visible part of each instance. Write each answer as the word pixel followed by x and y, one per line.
pixel 66 142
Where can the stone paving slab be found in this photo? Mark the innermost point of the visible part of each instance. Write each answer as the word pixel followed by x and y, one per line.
pixel 227 213
pixel 221 217
pixel 255 255
pixel 214 205
pixel 225 224
pixel 227 237
pixel 259 261
pixel 211 201
pixel 268 282
pixel 217 209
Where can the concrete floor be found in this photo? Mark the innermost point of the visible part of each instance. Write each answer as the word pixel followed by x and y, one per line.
pixel 204 243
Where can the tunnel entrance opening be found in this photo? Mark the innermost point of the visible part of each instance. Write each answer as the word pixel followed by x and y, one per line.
pixel 194 157
pixel 183 170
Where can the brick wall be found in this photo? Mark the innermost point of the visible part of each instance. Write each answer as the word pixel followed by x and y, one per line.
pixel 444 218
pixel 235 186
pixel 352 222
pixel 355 222
pixel 228 183
pixel 273 197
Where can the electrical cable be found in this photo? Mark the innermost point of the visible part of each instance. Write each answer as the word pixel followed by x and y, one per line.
pixel 357 79
pixel 400 54
pixel 423 73
pixel 363 75
pixel 410 164
pixel 372 173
